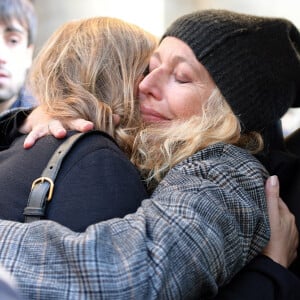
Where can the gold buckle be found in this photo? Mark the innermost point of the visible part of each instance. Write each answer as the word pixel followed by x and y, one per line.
pixel 41 180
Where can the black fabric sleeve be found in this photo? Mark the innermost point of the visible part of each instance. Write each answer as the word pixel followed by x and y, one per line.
pixel 9 126
pixel 262 279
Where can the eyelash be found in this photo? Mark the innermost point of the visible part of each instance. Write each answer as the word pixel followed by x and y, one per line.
pixel 181 81
pixel 152 66
pixel 13 40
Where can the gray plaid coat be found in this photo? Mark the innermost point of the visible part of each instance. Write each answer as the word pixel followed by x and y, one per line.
pixel 204 222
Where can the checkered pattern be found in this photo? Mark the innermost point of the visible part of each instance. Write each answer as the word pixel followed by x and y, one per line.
pixel 205 221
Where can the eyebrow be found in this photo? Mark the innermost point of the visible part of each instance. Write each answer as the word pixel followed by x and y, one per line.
pixel 177 59
pixel 14 29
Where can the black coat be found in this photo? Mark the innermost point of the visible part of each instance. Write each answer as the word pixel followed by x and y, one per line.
pixel 286 166
pixel 96 181
pixel 262 279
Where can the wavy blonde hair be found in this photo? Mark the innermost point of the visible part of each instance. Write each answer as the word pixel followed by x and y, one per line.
pixel 90 69
pixel 161 146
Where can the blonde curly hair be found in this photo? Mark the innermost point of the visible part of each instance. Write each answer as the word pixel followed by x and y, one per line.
pixel 161 146
pixel 90 69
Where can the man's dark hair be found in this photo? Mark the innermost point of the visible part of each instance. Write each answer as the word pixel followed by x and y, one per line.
pixel 23 11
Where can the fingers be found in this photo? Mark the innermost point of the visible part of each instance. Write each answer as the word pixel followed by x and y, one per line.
pixel 80 125
pixel 284 240
pixel 37 117
pixel 282 205
pixel 39 124
pixel 272 187
pixel 25 128
pixel 56 128
pixel 272 195
pixel 36 133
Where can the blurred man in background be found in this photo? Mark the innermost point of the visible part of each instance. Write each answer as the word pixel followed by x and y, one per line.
pixel 18 23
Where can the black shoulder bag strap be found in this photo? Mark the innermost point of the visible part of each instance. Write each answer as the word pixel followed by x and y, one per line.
pixel 42 188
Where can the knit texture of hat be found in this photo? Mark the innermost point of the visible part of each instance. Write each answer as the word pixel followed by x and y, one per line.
pixel 254 61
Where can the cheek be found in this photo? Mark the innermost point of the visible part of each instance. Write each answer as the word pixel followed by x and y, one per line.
pixel 23 56
pixel 190 110
pixel 19 71
pixel 187 106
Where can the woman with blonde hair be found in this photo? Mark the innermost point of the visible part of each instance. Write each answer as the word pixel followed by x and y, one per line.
pixel 207 218
pixel 88 69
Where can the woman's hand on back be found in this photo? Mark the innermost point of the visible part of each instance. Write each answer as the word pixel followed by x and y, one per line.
pixel 283 244
pixel 39 124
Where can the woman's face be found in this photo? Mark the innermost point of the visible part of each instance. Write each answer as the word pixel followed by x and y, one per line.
pixel 177 85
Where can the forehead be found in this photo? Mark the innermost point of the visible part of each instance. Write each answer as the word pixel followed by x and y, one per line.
pixel 174 51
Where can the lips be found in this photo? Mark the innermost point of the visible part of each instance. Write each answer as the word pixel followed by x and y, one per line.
pixel 3 73
pixel 4 76
pixel 4 80
pixel 150 116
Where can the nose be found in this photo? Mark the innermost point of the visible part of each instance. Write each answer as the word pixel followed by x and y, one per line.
pixel 152 84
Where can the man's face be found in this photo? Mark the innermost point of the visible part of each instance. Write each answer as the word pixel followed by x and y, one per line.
pixel 15 59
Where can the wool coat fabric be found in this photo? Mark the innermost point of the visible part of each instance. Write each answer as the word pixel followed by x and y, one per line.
pixel 205 221
pixel 96 181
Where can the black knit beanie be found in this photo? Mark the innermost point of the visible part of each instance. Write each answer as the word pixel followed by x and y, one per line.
pixel 255 61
